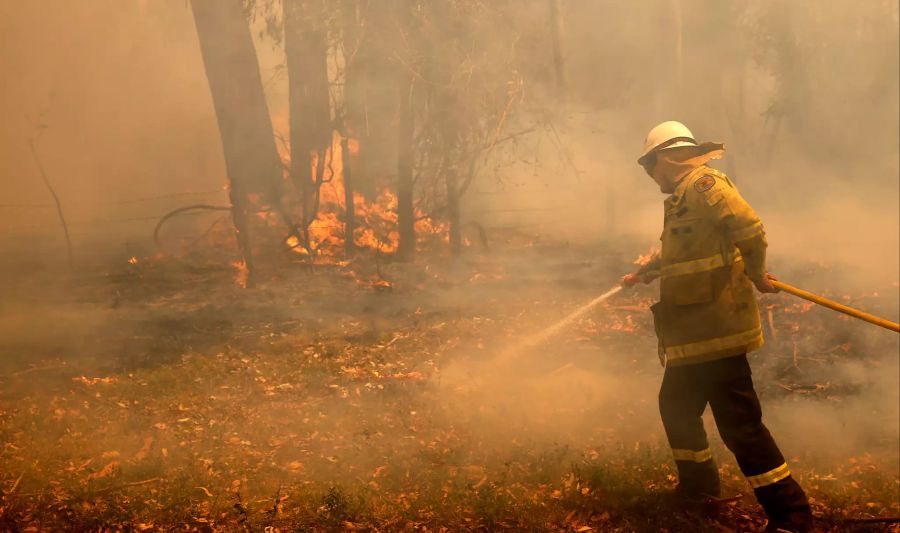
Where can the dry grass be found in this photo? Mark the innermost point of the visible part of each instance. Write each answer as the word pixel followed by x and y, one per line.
pixel 163 397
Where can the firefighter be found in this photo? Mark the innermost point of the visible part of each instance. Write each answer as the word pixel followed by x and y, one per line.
pixel 707 321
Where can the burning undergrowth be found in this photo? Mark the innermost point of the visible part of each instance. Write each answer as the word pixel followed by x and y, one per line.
pixel 320 239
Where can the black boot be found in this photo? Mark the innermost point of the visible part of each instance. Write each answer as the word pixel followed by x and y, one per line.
pixel 698 481
pixel 786 506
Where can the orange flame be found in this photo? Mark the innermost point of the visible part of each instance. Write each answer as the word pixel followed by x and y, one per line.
pixel 376 221
pixel 242 274
pixel 644 259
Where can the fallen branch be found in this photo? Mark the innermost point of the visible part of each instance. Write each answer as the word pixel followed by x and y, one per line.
pixel 100 491
pixel 16 484
pixel 37 369
pixel 207 232
pixel 883 520
pixel 126 485
pixel 181 211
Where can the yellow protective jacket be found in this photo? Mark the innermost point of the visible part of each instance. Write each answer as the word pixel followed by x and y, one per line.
pixel 713 245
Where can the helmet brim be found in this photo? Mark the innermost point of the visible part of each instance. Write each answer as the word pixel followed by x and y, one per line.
pixel 656 149
pixel 714 149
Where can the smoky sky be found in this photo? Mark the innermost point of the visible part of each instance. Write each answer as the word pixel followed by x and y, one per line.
pixel 804 94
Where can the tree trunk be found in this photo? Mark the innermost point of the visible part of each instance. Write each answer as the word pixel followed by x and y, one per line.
pixel 245 128
pixel 349 207
pixel 350 37
pixel 610 214
pixel 367 87
pixel 306 46
pixel 453 212
pixel 355 123
pixel 678 49
pixel 557 31
pixel 405 211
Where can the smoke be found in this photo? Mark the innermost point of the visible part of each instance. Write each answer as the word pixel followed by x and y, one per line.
pixel 816 156
pixel 115 96
pixel 804 95
pixel 115 99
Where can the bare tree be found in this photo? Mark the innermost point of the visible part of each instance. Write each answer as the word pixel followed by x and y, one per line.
pixel 369 37
pixel 245 128
pixel 306 47
pixel 405 198
pixel 557 31
pixel 470 87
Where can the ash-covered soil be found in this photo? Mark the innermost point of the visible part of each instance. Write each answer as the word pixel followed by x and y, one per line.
pixel 371 395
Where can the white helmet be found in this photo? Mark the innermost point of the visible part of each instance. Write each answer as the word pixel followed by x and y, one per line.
pixel 669 134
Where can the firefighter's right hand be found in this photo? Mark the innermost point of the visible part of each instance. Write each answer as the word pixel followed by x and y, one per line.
pixel 630 280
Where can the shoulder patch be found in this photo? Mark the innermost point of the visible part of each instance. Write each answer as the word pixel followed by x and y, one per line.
pixel 704 184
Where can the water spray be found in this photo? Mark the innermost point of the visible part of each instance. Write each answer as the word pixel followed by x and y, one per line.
pixel 542 336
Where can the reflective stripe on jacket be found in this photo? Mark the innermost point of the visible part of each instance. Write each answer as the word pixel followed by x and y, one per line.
pixel 713 244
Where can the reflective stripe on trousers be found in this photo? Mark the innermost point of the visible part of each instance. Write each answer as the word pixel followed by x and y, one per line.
pixel 726 386
pixel 700 456
pixel 767 478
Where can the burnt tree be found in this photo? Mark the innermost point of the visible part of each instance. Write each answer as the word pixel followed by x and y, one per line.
pixel 406 86
pixel 245 127
pixel 356 46
pixel 306 48
pixel 371 37
pixel 349 206
pixel 350 31
pixel 557 31
pixel 405 209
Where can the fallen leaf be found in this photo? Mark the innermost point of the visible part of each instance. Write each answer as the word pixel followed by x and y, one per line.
pixel 145 449
pixel 474 472
pixel 93 381
pixel 410 376
pixel 106 471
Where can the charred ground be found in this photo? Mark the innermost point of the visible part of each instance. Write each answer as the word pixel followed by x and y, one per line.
pixel 369 395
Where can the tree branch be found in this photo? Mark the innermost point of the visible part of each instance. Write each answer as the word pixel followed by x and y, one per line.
pixel 59 211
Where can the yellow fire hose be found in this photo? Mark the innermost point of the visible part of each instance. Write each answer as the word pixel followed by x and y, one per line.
pixel 841 308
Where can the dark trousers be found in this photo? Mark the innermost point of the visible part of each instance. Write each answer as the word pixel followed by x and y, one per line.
pixel 727 387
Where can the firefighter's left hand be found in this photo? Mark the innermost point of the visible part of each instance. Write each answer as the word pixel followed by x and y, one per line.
pixel 765 284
